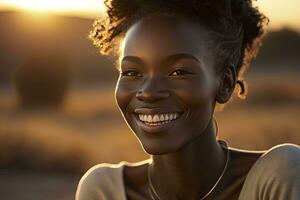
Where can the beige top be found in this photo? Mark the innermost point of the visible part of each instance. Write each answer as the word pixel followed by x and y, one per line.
pixel 272 175
pixel 104 182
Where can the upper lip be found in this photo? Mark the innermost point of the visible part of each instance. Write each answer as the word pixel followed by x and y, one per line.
pixel 155 111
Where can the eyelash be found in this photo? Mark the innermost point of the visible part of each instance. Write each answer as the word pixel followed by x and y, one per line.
pixel 137 74
pixel 126 73
pixel 181 70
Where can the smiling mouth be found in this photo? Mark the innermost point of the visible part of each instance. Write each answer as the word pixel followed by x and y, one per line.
pixel 153 120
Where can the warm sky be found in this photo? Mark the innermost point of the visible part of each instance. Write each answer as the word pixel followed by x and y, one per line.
pixel 280 12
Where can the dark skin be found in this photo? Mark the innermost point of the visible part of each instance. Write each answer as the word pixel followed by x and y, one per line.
pixel 166 65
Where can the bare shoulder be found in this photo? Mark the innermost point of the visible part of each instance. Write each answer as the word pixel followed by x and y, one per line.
pixel 135 180
pixel 97 182
pixel 135 172
pixel 242 160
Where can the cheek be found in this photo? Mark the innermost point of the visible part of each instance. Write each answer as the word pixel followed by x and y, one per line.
pixel 198 97
pixel 196 93
pixel 199 107
pixel 124 92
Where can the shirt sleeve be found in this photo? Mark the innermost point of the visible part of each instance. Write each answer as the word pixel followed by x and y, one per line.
pixel 275 175
pixel 101 182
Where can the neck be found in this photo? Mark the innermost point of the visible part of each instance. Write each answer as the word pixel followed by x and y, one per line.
pixel 190 172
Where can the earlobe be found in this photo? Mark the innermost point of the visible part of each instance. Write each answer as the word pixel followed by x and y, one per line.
pixel 227 85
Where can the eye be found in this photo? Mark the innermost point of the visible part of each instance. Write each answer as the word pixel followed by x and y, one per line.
pixel 178 72
pixel 131 73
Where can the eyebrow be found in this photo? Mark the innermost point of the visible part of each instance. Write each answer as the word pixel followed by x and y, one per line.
pixel 170 58
pixel 175 57
pixel 132 59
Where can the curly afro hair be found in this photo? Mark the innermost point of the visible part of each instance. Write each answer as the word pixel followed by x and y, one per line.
pixel 237 27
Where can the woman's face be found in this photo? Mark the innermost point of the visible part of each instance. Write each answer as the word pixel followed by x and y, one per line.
pixel 167 84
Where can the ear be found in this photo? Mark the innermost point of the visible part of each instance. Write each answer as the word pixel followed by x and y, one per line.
pixel 227 85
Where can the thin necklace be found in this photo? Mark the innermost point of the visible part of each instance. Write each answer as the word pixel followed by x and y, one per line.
pixel 151 188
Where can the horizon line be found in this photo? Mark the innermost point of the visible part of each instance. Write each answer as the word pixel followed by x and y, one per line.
pixel 95 15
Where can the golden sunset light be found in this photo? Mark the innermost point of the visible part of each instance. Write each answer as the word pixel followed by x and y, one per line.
pixel 208 83
pixel 89 8
pixel 281 13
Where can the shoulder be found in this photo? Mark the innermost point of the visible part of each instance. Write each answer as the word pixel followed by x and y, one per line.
pixel 282 158
pixel 99 181
pixel 242 160
pixel 275 173
pixel 135 179
pixel 280 163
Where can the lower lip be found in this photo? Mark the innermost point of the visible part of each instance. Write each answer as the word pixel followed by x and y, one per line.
pixel 156 128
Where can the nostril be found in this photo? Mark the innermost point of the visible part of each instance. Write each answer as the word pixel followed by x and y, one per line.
pixel 152 95
pixel 139 94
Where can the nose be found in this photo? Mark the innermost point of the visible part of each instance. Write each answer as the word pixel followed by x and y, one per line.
pixel 152 89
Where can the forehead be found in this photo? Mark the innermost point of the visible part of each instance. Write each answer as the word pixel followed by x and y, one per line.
pixel 158 37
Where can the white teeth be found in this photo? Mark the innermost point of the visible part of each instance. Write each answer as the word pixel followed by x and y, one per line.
pixel 155 118
pixel 166 117
pixel 149 118
pixel 161 118
pixel 157 123
pixel 158 118
pixel 175 115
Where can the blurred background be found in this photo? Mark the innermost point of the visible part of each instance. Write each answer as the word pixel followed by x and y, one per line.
pixel 58 115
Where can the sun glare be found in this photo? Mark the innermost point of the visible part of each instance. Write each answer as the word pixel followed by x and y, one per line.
pixel 281 13
pixel 60 6
pixel 38 5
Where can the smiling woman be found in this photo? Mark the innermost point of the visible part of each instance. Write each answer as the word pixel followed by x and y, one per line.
pixel 178 60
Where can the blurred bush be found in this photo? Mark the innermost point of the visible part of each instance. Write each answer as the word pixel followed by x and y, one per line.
pixel 278 91
pixel 42 80
pixel 21 149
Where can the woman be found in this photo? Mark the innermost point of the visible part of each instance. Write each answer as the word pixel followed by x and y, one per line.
pixel 177 60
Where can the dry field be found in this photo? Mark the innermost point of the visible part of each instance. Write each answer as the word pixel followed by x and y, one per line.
pixel 44 152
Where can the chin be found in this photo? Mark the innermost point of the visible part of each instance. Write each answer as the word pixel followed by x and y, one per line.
pixel 159 148
pixel 156 151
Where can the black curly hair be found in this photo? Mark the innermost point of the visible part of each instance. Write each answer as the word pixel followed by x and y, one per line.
pixel 237 25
